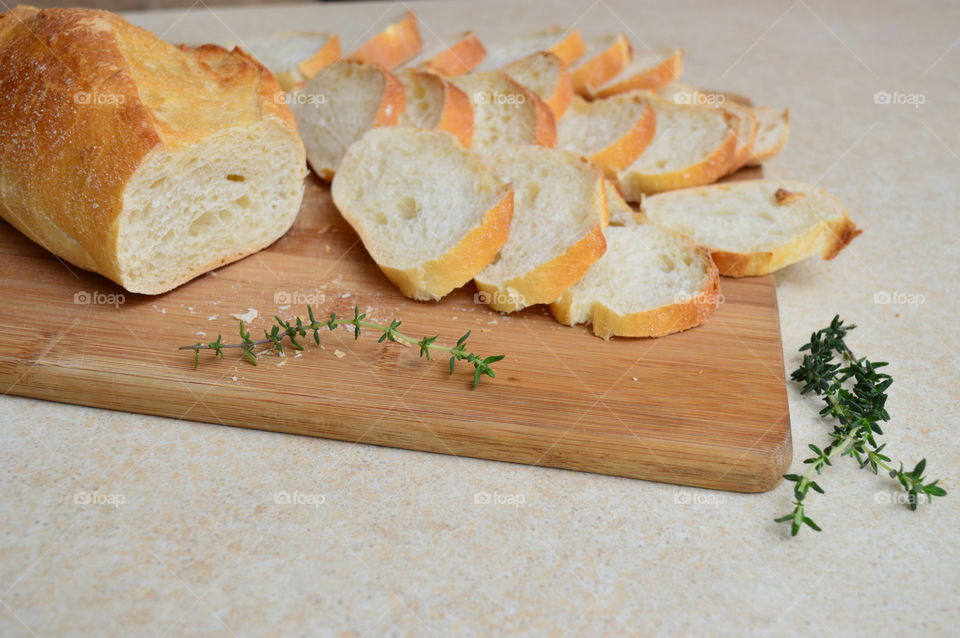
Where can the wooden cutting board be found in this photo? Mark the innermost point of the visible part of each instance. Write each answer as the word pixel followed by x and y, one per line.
pixel 707 407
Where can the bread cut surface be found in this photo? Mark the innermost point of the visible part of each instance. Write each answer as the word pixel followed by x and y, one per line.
pixel 747 129
pixel 605 57
pixel 567 44
pixel 557 230
pixel 773 129
pixel 335 108
pixel 429 212
pixel 432 102
pixel 398 43
pixel 649 72
pixel 294 56
pixel 754 227
pixel 505 113
pixel 692 145
pixel 545 74
pixel 154 165
pixel 452 56
pixel 611 132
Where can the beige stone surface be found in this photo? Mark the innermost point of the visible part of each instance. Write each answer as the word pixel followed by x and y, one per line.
pixel 119 524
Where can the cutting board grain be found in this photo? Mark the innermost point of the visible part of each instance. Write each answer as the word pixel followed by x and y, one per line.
pixel 706 407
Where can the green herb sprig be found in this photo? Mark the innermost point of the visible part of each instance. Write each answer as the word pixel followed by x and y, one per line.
pixel 855 395
pixel 297 327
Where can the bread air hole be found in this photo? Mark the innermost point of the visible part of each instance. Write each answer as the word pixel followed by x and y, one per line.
pixel 202 223
pixel 409 208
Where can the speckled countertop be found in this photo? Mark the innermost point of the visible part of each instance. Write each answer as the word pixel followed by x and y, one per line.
pixel 120 524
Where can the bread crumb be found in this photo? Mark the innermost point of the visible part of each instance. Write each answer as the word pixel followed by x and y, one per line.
pixel 283 307
pixel 201 333
pixel 346 295
pixel 248 316
pixel 635 379
pixel 212 317
pixel 339 354
pixel 484 329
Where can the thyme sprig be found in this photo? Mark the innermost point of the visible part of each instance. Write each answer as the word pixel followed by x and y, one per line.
pixel 855 395
pixel 290 331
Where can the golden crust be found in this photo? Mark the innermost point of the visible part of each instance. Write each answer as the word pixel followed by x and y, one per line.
pixel 570 48
pixel 757 156
pixel 63 186
pixel 394 45
pixel 544 124
pixel 602 67
pixel 652 79
pixel 436 278
pixel 327 55
pixel 559 100
pixel 744 148
pixel 464 55
pixel 634 184
pixel 457 116
pixel 628 148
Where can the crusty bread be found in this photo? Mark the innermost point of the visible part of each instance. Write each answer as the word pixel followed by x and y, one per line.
pixel 604 59
pixel 294 56
pixel 747 128
pixel 566 44
pixel 153 165
pixel 693 145
pixel 611 132
pixel 651 282
pixel 773 129
pixel 335 108
pixel 649 72
pixel 620 213
pixel 429 212
pixel 505 113
pixel 451 60
pixel 754 227
pixel 557 231
pixel 680 93
pixel 545 74
pixel 432 102
pixel 393 46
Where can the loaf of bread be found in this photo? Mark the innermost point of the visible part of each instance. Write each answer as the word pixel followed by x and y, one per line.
pixel 127 156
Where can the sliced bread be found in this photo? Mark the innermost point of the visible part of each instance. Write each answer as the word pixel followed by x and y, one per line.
pixel 294 56
pixel 557 231
pixel 648 72
pixel 432 102
pixel 567 44
pixel 335 108
pixel 506 113
pixel 747 127
pixel 545 74
pixel 773 129
pixel 429 212
pixel 754 227
pixel 393 46
pixel 692 145
pixel 451 60
pixel 604 59
pixel 611 132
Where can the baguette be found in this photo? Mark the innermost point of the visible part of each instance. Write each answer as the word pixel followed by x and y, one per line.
pixel 432 102
pixel 693 145
pixel 566 44
pixel 154 165
pixel 506 113
pixel 335 108
pixel 647 73
pixel 605 58
pixel 557 231
pixel 755 227
pixel 458 58
pixel 294 56
pixel 545 74
pixel 610 132
pixel 393 46
pixel 773 129
pixel 429 212
pixel 747 127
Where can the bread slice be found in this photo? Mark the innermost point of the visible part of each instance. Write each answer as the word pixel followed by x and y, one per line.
pixel 604 59
pixel 754 227
pixel 747 127
pixel 294 56
pixel 647 72
pixel 618 210
pixel 651 282
pixel 432 102
pixel 505 113
pixel 773 129
pixel 335 108
pixel 566 44
pixel 693 145
pixel 680 93
pixel 545 74
pixel 557 232
pixel 611 132
pixel 393 46
pixel 429 212
pixel 451 60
